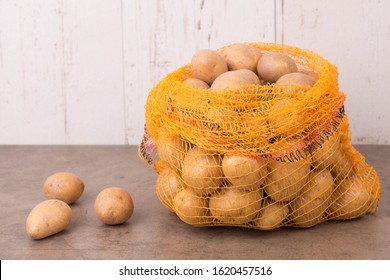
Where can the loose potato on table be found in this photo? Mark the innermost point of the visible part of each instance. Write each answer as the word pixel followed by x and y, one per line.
pixel 271 66
pixel 202 171
pixel 114 206
pixel 271 215
pixel 64 186
pixel 247 172
pixel 309 207
pixel 207 65
pixel 242 56
pixel 233 205
pixel 191 208
pixel 286 179
pixel 168 184
pixel 47 218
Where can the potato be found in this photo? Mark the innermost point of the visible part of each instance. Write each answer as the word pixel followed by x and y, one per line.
pixel 314 75
pixel 286 179
pixel 327 153
pixel 271 66
pixel 234 79
pixel 114 206
pixel 222 118
pixel 244 171
pixel 350 199
pixel 271 215
pixel 282 122
pixel 253 124
pixel 296 78
pixel 168 184
pixel 241 56
pixel 202 171
pixel 171 151
pixel 64 186
pixel 233 205
pixel 191 208
pixel 207 65
pixel 47 218
pixel 196 83
pixel 309 207
pixel 342 166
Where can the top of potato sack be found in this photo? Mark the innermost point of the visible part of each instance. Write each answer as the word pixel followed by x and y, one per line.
pixel 250 119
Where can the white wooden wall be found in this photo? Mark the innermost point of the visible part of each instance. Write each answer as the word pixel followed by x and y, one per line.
pixel 78 72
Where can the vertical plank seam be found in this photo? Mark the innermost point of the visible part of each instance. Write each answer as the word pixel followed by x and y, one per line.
pixel 64 69
pixel 126 140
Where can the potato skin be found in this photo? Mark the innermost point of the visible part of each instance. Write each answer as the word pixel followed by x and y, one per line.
pixel 191 208
pixel 114 206
pixel 202 171
pixel 247 172
pixel 309 207
pixel 325 155
pixel 296 78
pixel 271 66
pixel 196 83
pixel 47 218
pixel 64 186
pixel 171 151
pixel 286 179
pixel 207 65
pixel 242 56
pixel 350 199
pixel 233 205
pixel 271 215
pixel 168 184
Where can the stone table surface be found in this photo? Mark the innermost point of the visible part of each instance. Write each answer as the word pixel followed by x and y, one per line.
pixel 155 233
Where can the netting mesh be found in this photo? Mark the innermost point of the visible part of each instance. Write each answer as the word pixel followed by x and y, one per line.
pixel 259 156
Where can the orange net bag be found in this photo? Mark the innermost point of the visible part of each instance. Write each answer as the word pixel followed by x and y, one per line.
pixel 257 156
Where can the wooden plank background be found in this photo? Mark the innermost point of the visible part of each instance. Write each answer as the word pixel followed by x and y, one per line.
pixel 78 72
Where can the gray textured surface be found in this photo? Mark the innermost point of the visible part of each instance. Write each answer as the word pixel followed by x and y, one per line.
pixel 153 232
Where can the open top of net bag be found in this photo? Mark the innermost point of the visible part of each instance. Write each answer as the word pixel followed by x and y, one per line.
pixel 255 135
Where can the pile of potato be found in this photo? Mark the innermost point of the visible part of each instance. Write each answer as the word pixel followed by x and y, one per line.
pixel 207 187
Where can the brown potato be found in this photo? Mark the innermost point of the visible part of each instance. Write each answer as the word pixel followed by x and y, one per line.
pixel 233 205
pixel 271 215
pixel 196 83
pixel 309 207
pixel 202 171
pixel 247 172
pixel 271 66
pixel 314 75
pixel 282 121
pixel 64 186
pixel 191 208
pixel 47 218
pixel 114 206
pixel 286 179
pixel 342 166
pixel 327 153
pixel 296 78
pixel 242 56
pixel 171 151
pixel 350 199
pixel 207 65
pixel 234 79
pixel 168 184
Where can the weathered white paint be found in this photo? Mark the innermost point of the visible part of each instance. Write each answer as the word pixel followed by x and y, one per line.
pixel 78 72
pixel 355 36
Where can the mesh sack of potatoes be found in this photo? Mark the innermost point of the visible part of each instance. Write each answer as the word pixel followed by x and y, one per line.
pixel 255 135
